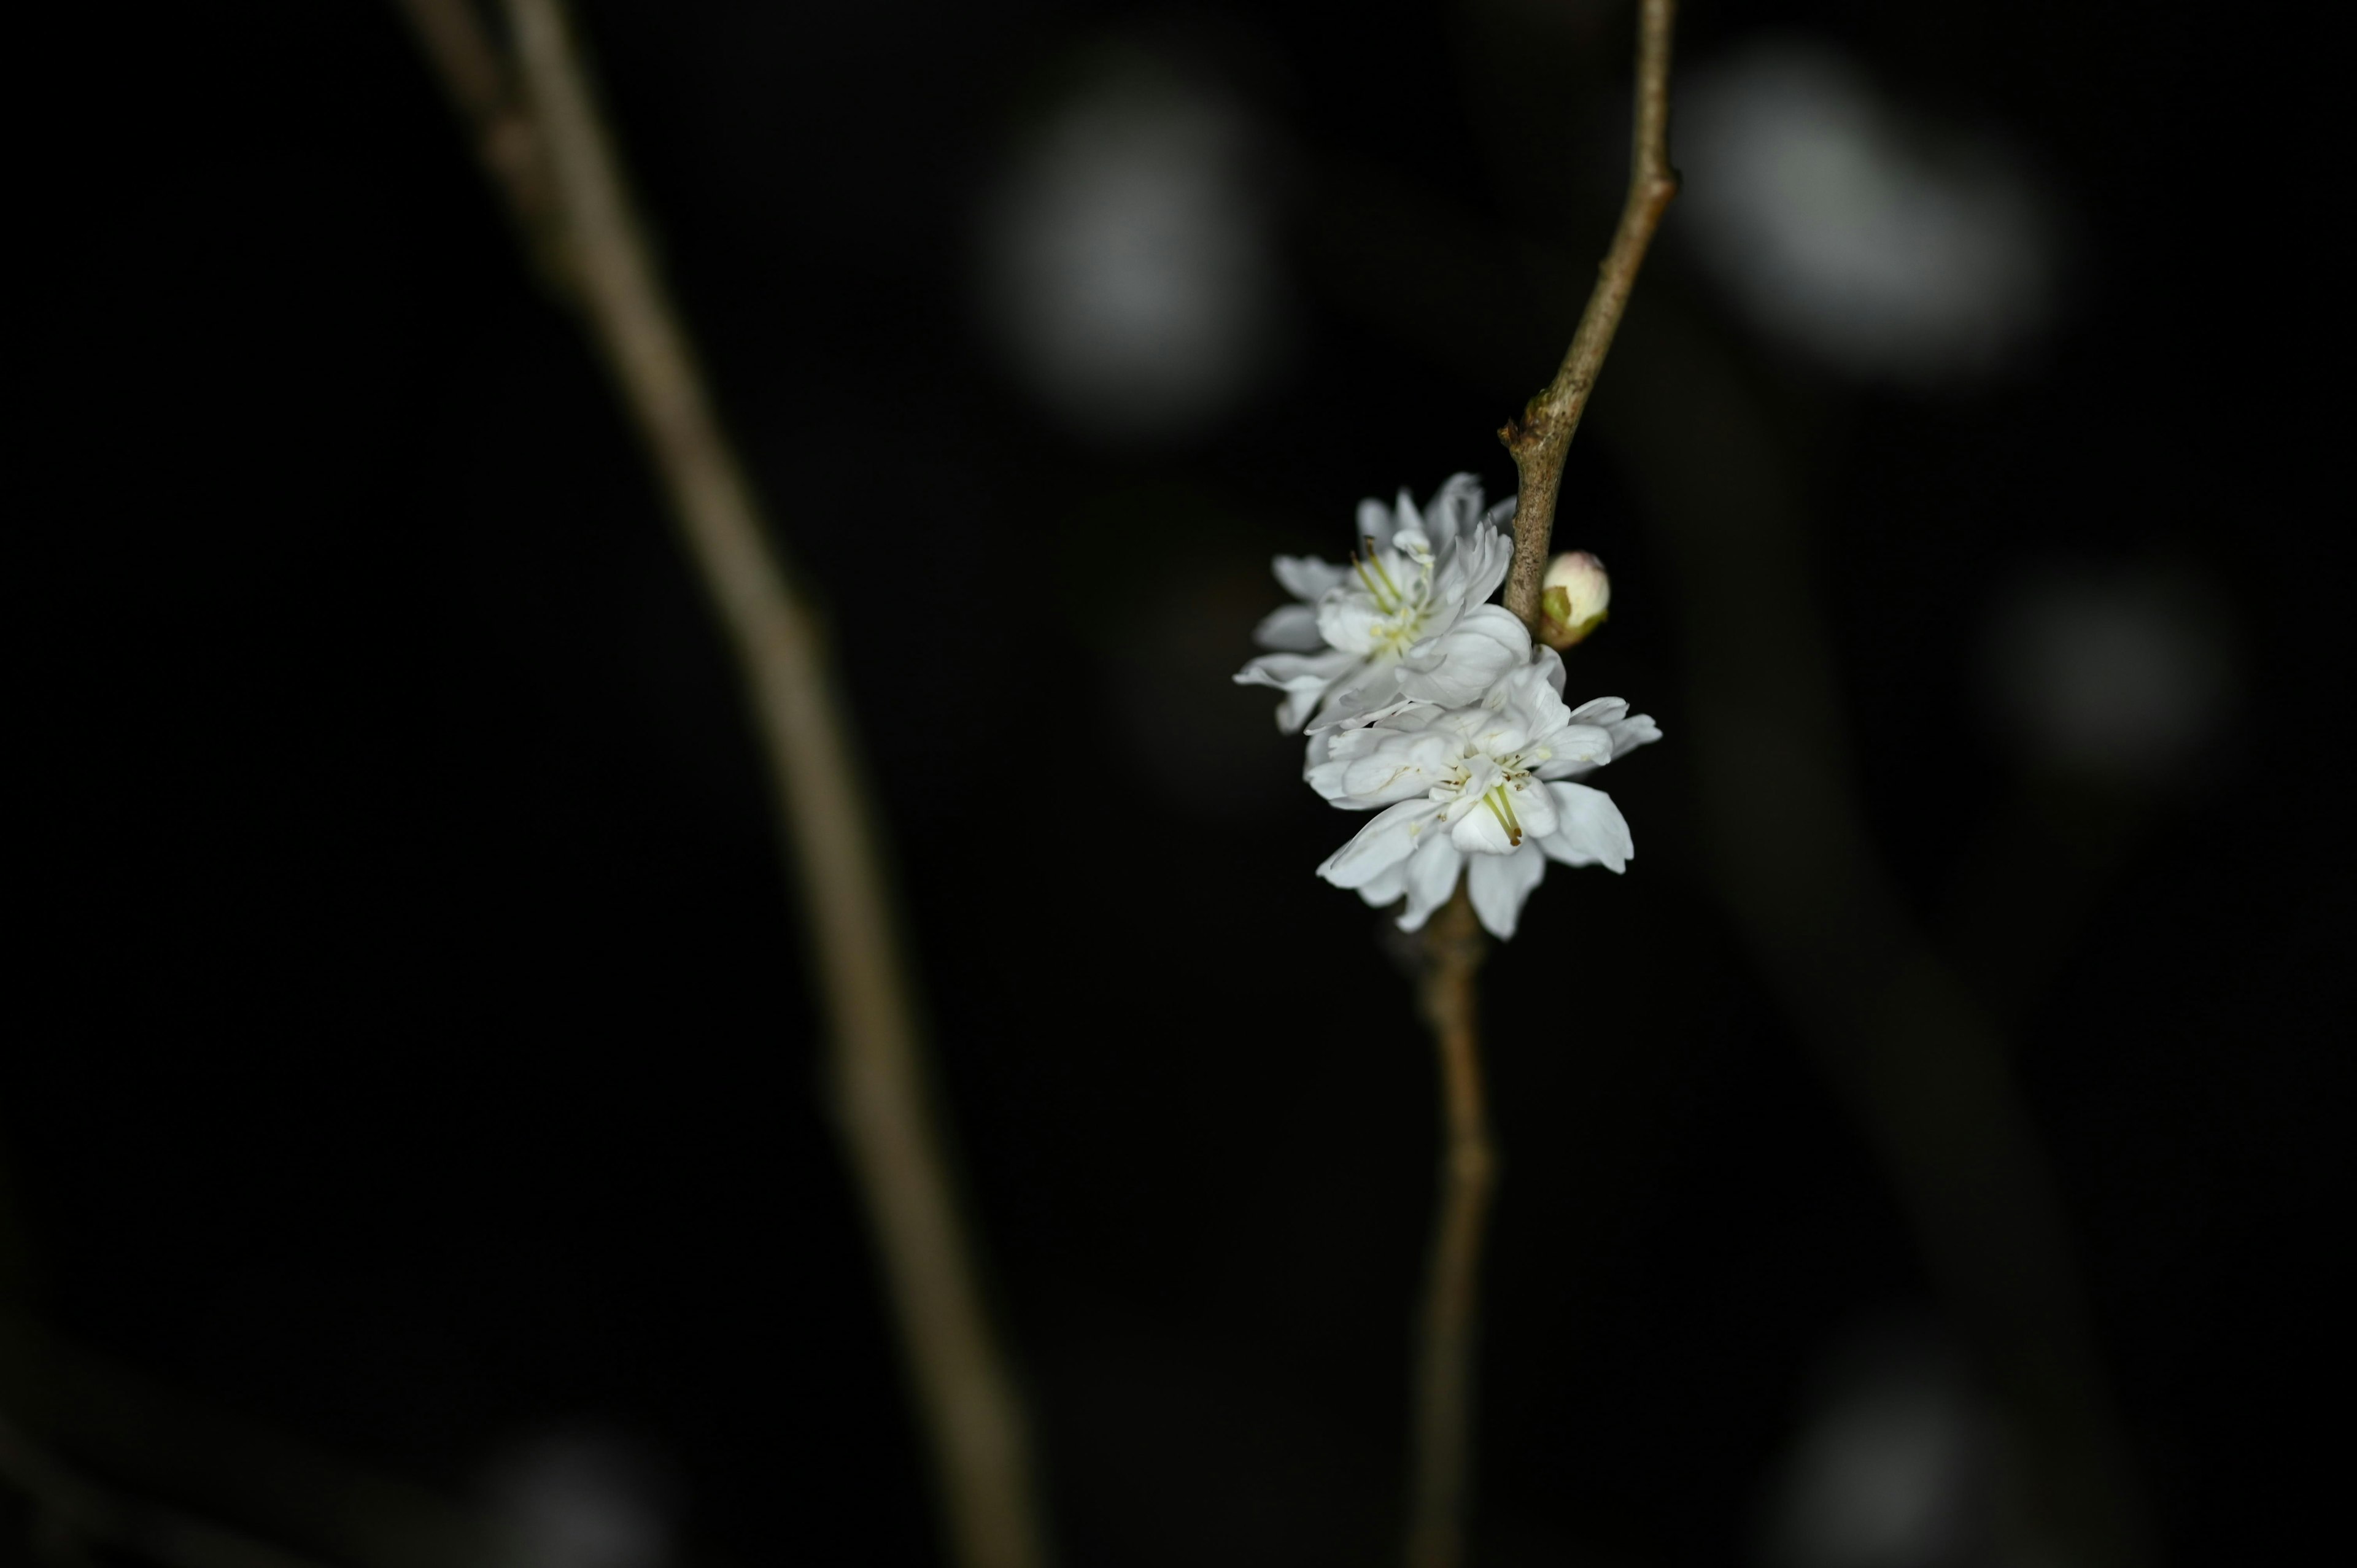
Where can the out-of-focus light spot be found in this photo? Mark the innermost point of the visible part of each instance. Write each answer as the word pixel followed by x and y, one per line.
pixel 1129 261
pixel 2123 675
pixel 1890 249
pixel 1898 1466
pixel 581 1500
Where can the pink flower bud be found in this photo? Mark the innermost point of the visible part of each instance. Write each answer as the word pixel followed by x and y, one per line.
pixel 1574 595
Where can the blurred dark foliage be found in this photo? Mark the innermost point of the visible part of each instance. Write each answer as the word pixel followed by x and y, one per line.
pixel 409 1042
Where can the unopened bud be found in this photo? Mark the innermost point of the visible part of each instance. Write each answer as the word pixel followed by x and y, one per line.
pixel 1574 595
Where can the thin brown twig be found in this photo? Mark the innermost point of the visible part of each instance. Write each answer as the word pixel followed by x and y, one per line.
pixel 967 1402
pixel 1443 1457
pixel 1541 438
pixel 483 89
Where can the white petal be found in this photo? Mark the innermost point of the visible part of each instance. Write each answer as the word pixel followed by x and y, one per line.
pixel 1317 753
pixel 1502 516
pixel 1303 678
pixel 1430 875
pixel 1291 671
pixel 1375 522
pixel 1498 883
pixel 1388 884
pixel 1405 517
pixel 1294 711
pixel 1383 844
pixel 1535 693
pixel 1534 808
pixel 1551 664
pixel 1577 748
pixel 1458 666
pixel 1368 694
pixel 1453 509
pixel 1349 617
pixel 1396 766
pixel 1305 578
pixel 1590 829
pixel 1481 832
pixel 1486 555
pixel 1293 627
pixel 1627 735
pixel 1636 730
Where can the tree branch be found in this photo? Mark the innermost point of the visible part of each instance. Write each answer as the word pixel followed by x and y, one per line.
pixel 1443 1459
pixel 1541 440
pixel 967 1401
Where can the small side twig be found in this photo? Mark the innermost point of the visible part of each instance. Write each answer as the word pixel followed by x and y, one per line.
pixel 1443 1457
pixel 1541 438
pixel 565 187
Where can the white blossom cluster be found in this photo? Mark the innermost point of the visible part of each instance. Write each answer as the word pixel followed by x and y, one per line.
pixel 1433 708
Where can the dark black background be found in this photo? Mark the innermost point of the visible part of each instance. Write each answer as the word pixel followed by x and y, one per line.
pixel 410 1046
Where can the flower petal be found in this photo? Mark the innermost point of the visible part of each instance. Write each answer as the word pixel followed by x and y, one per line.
pixel 1375 766
pixel 1453 509
pixel 1292 627
pixel 1303 678
pixel 1498 884
pixel 1636 730
pixel 1628 733
pixel 1534 807
pixel 1368 694
pixel 1430 877
pixel 1391 837
pixel 1387 886
pixel 1485 554
pixel 1590 829
pixel 1456 667
pixel 1579 748
pixel 1305 578
pixel 1481 831
pixel 1349 617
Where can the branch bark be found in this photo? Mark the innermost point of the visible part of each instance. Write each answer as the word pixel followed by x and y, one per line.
pixel 1541 440
pixel 541 135
pixel 1443 1460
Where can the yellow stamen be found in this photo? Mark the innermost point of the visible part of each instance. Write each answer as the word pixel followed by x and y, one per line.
pixel 1502 806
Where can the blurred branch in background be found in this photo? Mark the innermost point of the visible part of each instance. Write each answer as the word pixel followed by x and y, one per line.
pixel 1918 1060
pixel 1441 1482
pixel 539 132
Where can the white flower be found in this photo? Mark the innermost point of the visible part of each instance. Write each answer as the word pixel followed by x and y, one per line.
pixel 1404 618
pixel 1489 781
